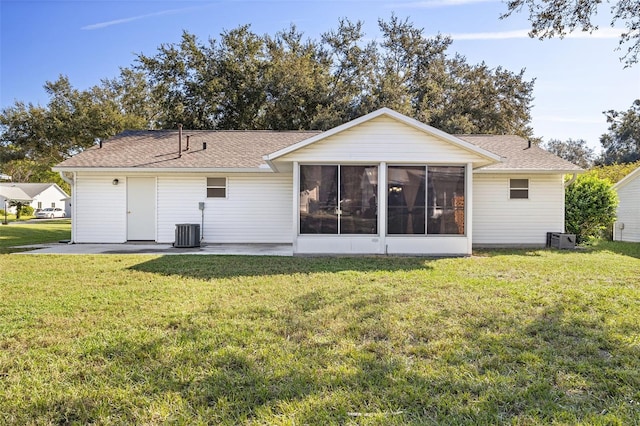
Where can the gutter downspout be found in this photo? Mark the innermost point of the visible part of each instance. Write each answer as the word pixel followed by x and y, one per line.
pixel 570 181
pixel 71 183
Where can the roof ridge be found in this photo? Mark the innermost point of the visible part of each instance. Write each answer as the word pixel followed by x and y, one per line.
pixel 129 131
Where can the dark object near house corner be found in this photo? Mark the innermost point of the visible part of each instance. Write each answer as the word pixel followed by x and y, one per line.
pixel 187 235
pixel 561 241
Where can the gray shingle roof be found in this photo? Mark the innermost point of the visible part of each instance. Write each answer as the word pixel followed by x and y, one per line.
pixel 12 192
pixel 158 149
pixel 517 155
pixel 31 189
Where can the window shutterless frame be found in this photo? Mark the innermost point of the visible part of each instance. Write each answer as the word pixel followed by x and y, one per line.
pixel 217 187
pixel 518 189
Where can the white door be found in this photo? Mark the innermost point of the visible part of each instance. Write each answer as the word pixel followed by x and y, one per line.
pixel 141 208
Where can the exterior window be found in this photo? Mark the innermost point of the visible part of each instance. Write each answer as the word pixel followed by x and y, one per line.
pixel 53 205
pixel 39 204
pixel 338 199
pixel 216 187
pixel 519 188
pixel 426 200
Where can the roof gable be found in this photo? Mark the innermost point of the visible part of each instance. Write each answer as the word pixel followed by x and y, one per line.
pixel 410 122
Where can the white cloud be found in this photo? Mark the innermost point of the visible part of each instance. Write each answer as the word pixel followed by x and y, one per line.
pixel 432 4
pixel 106 24
pixel 501 35
pixel 603 33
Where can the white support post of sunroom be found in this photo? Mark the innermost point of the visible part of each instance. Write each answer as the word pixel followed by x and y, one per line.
pixel 468 210
pixel 382 206
pixel 296 205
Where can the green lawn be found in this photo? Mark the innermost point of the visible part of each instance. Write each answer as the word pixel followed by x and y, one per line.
pixel 504 337
pixel 19 234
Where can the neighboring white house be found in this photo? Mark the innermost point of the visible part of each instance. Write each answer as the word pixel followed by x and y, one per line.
pixel 381 184
pixel 10 192
pixel 39 195
pixel 627 225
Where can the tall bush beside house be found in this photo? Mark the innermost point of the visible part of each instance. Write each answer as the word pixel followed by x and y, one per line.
pixel 590 207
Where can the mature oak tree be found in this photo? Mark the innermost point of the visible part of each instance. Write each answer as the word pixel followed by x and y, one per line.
pixel 575 151
pixel 282 82
pixel 247 81
pixel 622 142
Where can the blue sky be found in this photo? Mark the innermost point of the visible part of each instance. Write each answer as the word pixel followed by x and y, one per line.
pixel 576 78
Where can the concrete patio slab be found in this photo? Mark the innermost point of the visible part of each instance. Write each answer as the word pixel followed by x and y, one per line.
pixel 162 249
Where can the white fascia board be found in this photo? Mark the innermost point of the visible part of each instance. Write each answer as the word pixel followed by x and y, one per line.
pixel 393 114
pixel 527 171
pixel 628 178
pixel 159 170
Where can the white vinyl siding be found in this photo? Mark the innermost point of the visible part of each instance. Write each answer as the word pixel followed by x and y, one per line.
pixel 382 139
pixel 100 213
pixel 628 212
pixel 178 198
pixel 499 220
pixel 256 209
pixel 50 197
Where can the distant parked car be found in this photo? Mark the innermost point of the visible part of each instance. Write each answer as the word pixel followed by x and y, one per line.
pixel 50 213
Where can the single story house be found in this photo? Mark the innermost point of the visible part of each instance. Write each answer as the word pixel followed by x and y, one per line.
pixel 10 192
pixel 381 184
pixel 39 195
pixel 627 225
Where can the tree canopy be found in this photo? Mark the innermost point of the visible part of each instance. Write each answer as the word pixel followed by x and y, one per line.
pixel 551 18
pixel 575 151
pixel 248 81
pixel 621 143
pixel 284 81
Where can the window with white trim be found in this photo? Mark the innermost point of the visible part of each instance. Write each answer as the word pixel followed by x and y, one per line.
pixel 519 189
pixel 217 187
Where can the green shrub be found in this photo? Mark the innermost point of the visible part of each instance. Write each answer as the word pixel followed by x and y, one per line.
pixel 26 211
pixel 590 207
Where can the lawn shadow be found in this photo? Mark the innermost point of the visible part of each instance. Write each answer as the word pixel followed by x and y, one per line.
pixel 322 358
pixel 617 247
pixel 217 267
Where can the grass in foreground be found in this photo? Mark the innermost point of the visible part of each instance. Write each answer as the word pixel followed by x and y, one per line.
pixel 513 337
pixel 19 234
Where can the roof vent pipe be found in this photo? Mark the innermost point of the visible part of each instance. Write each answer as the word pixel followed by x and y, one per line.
pixel 204 145
pixel 179 140
pixel 100 142
pixel 187 148
pixel 529 143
